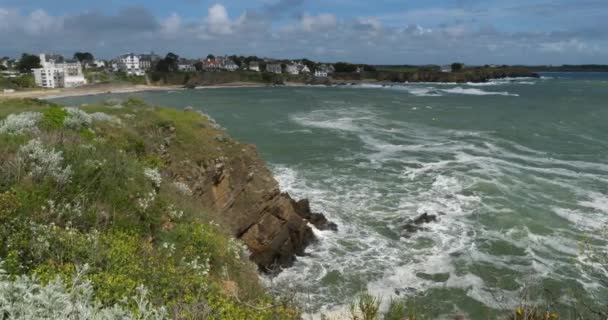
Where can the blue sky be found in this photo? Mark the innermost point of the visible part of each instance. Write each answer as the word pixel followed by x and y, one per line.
pixel 388 31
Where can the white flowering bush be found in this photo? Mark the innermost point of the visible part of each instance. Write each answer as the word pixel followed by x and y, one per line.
pixel 21 123
pixel 182 188
pixel 74 209
pixel 153 175
pixel 77 119
pixel 200 265
pixel 175 213
pixel 42 162
pixel 25 298
pixel 104 117
pixel 146 201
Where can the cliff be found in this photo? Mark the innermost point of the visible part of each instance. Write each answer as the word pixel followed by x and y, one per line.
pixel 117 197
pixel 235 184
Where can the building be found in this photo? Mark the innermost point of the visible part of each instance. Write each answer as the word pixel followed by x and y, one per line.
pixel 254 66
pixel 292 69
pixel 274 68
pixel 304 69
pixel 59 75
pixel 130 64
pixel 186 67
pixel 48 77
pixel 446 68
pixel 322 71
pixel 73 75
pixel 230 65
pixel 211 65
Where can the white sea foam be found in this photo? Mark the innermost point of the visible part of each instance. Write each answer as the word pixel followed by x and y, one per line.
pixel 401 170
pixel 477 92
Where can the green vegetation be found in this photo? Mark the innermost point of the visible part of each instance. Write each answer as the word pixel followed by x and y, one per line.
pixel 84 57
pixel 86 203
pixel 24 81
pixel 28 62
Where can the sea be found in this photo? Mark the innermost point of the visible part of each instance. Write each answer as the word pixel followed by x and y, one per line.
pixel 514 170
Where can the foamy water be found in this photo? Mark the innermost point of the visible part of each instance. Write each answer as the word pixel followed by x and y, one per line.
pixel 516 171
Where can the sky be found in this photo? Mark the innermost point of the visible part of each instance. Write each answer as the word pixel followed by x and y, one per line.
pixel 359 31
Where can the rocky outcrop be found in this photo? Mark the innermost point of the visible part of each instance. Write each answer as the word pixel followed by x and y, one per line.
pixel 235 185
pixel 418 223
pixel 319 220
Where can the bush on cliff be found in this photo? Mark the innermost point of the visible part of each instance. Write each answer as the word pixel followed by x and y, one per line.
pixel 89 216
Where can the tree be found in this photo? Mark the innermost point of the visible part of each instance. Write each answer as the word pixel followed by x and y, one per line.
pixel 84 57
pixel 168 64
pixel 343 67
pixel 28 62
pixel 210 57
pixel 457 66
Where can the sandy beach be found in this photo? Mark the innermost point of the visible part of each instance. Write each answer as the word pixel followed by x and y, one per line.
pixel 111 88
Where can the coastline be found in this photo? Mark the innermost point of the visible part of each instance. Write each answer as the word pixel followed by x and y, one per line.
pixel 90 90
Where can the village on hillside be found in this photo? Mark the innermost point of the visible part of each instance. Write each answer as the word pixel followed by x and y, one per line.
pixel 56 71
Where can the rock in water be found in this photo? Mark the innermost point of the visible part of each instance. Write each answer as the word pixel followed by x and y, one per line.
pixel 319 220
pixel 415 225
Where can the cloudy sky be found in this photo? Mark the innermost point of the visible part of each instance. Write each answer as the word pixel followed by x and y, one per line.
pixel 364 31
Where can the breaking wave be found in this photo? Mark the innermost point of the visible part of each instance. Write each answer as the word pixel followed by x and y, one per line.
pixel 470 180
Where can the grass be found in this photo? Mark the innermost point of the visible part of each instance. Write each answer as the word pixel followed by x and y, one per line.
pixel 111 217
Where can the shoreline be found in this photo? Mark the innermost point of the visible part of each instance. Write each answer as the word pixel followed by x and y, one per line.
pixel 126 88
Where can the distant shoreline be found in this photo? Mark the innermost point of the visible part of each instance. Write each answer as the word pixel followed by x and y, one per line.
pixel 127 88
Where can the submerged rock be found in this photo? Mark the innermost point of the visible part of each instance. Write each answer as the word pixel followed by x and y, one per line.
pixel 415 225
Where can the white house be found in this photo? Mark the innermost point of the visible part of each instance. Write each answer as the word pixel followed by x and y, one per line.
pixel 58 75
pixel 322 71
pixel 130 64
pixel 73 76
pixel 230 65
pixel 186 67
pixel 293 69
pixel 446 68
pixel 274 68
pixel 304 69
pixel 254 66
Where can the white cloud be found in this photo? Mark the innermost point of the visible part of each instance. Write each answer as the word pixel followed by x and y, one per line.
pixel 567 46
pixel 319 22
pixel 39 22
pixel 370 26
pixel 217 21
pixel 171 25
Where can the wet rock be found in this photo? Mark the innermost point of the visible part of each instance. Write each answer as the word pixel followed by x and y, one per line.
pixel 416 224
pixel 319 220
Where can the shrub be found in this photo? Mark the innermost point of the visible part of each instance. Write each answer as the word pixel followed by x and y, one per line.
pixel 20 123
pixel 366 307
pixel 26 298
pixel 77 119
pixel 54 117
pixel 397 310
pixel 42 162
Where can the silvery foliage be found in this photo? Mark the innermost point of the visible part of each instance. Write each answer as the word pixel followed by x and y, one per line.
pixel 25 298
pixel 182 188
pixel 77 119
pixel 42 162
pixel 153 175
pixel 104 117
pixel 21 123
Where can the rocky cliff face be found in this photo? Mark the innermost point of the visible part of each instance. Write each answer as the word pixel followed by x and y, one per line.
pixel 237 187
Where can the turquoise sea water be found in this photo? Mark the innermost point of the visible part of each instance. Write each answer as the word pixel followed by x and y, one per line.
pixel 515 170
